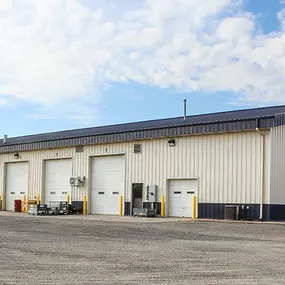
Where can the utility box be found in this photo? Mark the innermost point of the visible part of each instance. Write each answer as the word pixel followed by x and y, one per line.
pixel 151 194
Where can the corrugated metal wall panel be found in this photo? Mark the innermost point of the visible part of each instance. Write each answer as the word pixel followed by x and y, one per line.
pixel 278 165
pixel 227 165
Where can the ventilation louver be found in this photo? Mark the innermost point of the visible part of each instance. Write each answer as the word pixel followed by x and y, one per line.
pixel 137 148
pixel 79 148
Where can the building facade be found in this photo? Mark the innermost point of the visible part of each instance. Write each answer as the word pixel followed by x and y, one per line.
pixel 231 158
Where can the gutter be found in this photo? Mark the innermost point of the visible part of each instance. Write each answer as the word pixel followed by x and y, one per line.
pixel 262 162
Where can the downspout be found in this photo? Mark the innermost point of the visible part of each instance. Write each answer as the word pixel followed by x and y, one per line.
pixel 262 162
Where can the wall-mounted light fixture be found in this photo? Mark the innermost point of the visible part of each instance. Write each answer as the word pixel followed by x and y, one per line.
pixel 16 155
pixel 171 143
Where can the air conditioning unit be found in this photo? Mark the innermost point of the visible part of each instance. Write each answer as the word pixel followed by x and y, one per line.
pixel 231 212
pixel 73 181
pixel 77 181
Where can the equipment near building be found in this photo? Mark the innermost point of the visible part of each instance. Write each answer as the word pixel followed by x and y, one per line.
pixel 245 213
pixel 63 208
pixel 151 193
pixel 148 209
pixel 42 209
pixel 37 210
pixel 33 209
pixel 232 212
pixel 18 206
pixel 143 212
pixel 53 208
pixel 73 210
pixel 77 181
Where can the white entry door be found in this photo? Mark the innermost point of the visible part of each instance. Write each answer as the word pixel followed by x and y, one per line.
pixel 180 197
pixel 108 183
pixel 16 183
pixel 57 175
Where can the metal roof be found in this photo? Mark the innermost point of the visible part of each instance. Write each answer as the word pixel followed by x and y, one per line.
pixel 205 123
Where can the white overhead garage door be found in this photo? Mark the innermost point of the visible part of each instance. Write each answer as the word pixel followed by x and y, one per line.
pixel 57 175
pixel 108 182
pixel 180 197
pixel 16 183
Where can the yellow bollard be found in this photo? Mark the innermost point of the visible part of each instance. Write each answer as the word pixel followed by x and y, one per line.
pixel 68 199
pixel 121 206
pixel 38 199
pixel 162 206
pixel 25 204
pixel 0 202
pixel 194 207
pixel 84 205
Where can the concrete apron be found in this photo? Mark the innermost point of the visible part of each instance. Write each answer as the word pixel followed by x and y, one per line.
pixel 129 219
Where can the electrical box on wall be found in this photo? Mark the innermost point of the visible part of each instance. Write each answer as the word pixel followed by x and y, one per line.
pixel 151 193
pixel 77 181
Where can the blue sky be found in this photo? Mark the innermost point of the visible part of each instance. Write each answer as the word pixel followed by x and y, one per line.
pixel 79 63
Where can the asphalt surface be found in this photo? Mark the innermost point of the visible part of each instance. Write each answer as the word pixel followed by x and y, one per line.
pixel 78 250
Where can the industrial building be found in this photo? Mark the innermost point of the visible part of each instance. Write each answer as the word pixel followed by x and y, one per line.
pixel 228 158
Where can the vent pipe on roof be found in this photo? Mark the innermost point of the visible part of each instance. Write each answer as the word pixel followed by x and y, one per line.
pixel 5 138
pixel 185 108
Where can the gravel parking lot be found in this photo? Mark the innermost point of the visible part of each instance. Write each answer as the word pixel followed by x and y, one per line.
pixel 80 250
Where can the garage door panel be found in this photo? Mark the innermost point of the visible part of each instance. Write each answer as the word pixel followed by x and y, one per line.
pixel 180 197
pixel 16 183
pixel 57 175
pixel 108 178
pixel 109 186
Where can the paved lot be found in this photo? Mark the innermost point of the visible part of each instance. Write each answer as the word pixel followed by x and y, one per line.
pixel 77 250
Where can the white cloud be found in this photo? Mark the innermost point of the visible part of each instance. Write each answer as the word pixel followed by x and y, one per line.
pixel 281 18
pixel 235 28
pixel 64 50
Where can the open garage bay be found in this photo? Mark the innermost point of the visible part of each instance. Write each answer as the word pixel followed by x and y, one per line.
pixel 90 250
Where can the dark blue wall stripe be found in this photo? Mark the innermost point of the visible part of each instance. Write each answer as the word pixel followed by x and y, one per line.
pixel 217 211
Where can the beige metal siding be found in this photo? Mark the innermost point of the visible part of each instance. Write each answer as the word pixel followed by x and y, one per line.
pixel 277 189
pixel 227 165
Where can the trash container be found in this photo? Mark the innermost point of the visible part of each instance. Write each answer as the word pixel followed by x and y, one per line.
pixel 18 206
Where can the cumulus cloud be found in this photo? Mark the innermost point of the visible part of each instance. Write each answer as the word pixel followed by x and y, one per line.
pixel 63 50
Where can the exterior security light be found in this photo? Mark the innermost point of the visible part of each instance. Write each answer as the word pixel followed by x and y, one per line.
pixel 171 143
pixel 16 155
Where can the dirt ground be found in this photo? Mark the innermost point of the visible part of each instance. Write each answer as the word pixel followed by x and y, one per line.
pixel 90 250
